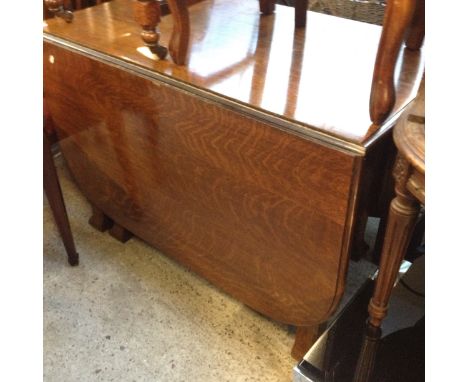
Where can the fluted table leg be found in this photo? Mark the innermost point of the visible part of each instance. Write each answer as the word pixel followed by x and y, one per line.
pixel 368 354
pixel 404 210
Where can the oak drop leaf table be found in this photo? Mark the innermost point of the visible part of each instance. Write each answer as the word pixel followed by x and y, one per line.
pixel 250 165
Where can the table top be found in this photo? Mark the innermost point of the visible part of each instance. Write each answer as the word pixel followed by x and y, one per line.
pixel 317 78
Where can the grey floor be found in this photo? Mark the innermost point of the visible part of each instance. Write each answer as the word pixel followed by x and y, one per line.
pixel 128 313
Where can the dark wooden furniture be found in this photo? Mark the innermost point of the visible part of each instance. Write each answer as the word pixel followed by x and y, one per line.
pixel 250 165
pixel 409 173
pixel 54 194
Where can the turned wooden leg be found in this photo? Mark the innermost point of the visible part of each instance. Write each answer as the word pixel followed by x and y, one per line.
pixel 415 36
pixel 305 338
pixel 100 221
pixel 404 210
pixel 148 14
pixel 267 7
pixel 398 16
pixel 120 233
pixel 55 197
pixel 56 7
pixel 300 11
pixel 178 46
pixel 367 355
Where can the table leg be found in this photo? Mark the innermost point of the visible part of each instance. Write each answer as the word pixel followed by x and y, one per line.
pixel 54 195
pixel 99 220
pixel 305 338
pixel 120 233
pixel 368 354
pixel 404 210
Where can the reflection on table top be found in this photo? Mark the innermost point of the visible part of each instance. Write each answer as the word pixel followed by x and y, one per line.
pixel 319 76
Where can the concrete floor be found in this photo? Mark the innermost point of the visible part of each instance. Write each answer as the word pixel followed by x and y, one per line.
pixel 128 313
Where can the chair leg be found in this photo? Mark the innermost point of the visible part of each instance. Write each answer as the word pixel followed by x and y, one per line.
pixel 55 197
pixel 178 45
pixel 416 33
pixel 398 16
pixel 267 7
pixel 300 9
pixel 147 14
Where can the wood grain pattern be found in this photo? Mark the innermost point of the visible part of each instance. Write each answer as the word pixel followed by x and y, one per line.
pixel 305 76
pixel 263 214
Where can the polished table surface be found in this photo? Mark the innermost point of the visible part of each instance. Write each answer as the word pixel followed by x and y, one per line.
pixel 318 79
